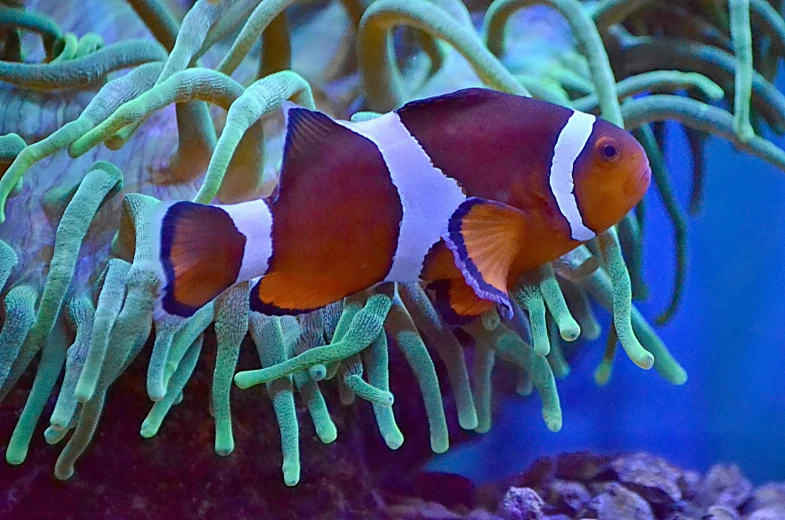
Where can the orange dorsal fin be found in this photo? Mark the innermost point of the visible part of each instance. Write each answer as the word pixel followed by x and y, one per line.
pixel 485 237
pixel 201 252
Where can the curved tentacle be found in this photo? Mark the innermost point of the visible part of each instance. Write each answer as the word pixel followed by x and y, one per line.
pixel 155 417
pixel 364 327
pixel 65 48
pixel 707 118
pixel 100 182
pixel 80 316
pixel 257 101
pixel 31 21
pixel 741 36
pixel 438 335
pixel 661 177
pixel 585 33
pixel 84 71
pixel 381 78
pixel 88 44
pixel 656 81
pixel 376 359
pixel 109 303
pixel 106 101
pixel 191 84
pixel 157 17
pixel 613 262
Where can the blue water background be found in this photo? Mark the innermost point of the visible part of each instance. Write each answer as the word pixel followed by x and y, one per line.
pixel 729 335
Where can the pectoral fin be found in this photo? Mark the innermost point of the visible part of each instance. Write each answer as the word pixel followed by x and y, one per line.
pixel 485 237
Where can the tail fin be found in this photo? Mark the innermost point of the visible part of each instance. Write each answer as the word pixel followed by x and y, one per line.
pixel 200 252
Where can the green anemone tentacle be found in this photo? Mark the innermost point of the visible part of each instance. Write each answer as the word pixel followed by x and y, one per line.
pixel 80 315
pixel 268 337
pixel 105 102
pixel 84 71
pixel 31 21
pixel 364 327
pixel 661 178
pixel 381 77
pixel 242 140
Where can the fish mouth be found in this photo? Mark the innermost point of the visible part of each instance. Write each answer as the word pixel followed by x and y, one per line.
pixel 642 185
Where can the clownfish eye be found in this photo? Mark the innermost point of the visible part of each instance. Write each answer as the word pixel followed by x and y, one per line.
pixel 608 149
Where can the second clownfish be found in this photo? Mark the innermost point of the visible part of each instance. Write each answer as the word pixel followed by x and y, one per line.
pixel 465 191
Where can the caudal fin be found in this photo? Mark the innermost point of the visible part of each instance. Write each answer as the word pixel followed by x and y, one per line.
pixel 201 252
pixel 485 236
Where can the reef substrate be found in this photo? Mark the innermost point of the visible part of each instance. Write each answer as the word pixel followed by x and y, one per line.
pixel 637 486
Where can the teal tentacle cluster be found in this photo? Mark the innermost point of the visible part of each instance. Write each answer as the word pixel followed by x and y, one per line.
pixel 91 331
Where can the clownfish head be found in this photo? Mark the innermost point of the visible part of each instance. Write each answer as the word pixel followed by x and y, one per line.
pixel 611 175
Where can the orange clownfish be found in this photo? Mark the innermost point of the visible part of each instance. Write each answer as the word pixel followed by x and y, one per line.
pixel 465 191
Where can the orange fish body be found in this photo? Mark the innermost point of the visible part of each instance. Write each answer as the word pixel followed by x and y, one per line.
pixel 465 192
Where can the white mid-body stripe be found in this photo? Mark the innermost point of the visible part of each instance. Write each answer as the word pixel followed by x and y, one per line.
pixel 254 220
pixel 428 197
pixel 572 138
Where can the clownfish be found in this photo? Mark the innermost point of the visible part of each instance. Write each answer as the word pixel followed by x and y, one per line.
pixel 465 192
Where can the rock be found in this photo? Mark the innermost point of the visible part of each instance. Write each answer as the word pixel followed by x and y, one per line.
pixel 657 481
pixel 721 513
pixel 581 466
pixel 679 515
pixel 724 485
pixel 690 484
pixel 522 504
pixel 616 503
pixel 567 496
pixel 769 513
pixel 772 494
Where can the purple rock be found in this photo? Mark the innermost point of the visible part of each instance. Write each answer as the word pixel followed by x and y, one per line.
pixel 568 497
pixel 678 515
pixel 581 466
pixel 657 481
pixel 724 485
pixel 769 513
pixel 616 503
pixel 522 504
pixel 768 495
pixel 721 513
pixel 690 484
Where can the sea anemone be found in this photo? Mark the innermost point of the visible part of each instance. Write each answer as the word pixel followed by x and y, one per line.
pixel 99 146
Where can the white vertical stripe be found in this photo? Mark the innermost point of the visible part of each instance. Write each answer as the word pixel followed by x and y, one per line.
pixel 572 138
pixel 254 220
pixel 428 197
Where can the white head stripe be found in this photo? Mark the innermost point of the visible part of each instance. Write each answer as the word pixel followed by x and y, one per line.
pixel 254 220
pixel 572 138
pixel 428 197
